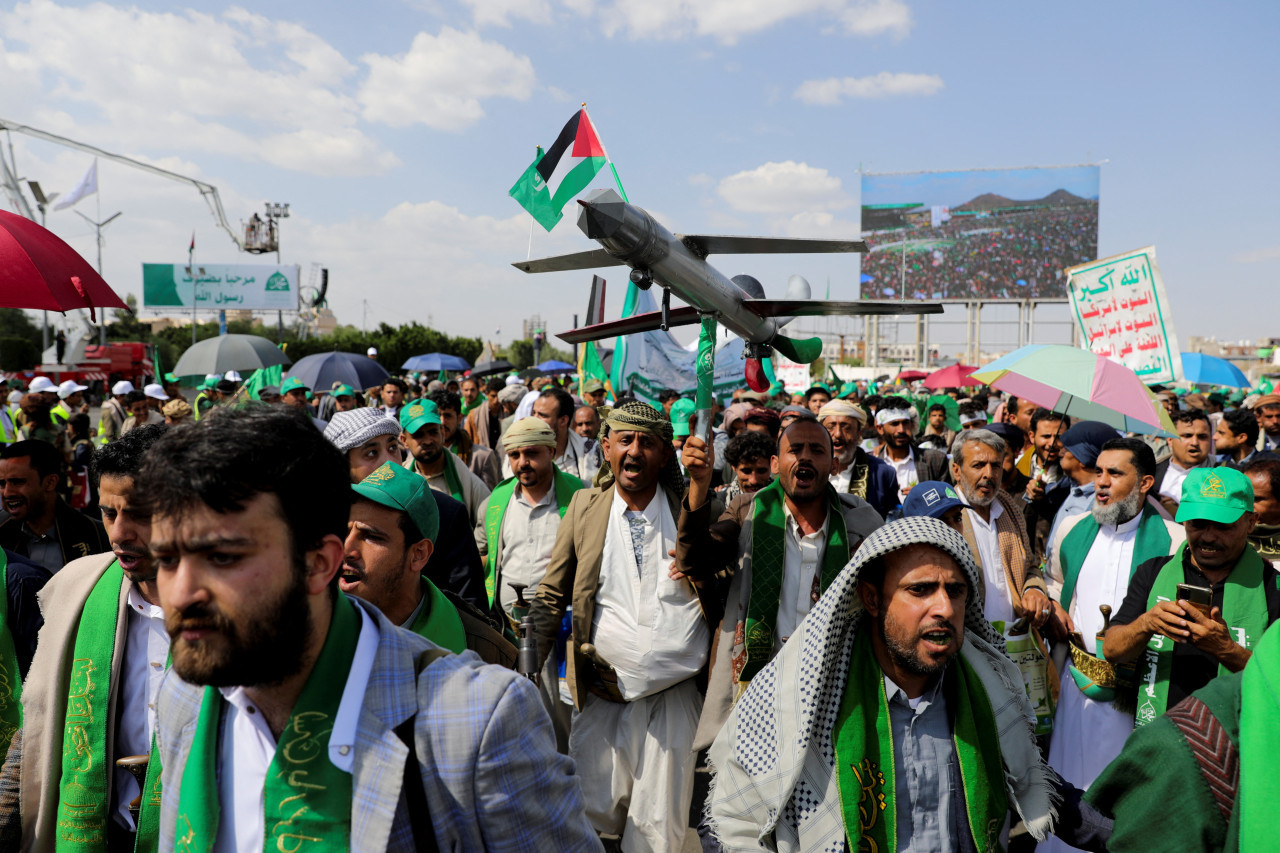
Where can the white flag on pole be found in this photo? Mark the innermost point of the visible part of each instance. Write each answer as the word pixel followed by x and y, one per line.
pixel 88 185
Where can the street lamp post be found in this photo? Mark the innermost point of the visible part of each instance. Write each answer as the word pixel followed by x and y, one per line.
pixel 97 227
pixel 275 212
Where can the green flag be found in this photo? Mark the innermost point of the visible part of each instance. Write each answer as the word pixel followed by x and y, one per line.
pixel 591 367
pixel 261 378
pixel 443 377
pixel 533 195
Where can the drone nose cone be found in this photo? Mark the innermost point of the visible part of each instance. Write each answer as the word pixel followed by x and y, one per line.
pixel 599 221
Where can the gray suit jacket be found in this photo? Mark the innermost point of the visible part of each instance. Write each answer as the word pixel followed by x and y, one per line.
pixel 485 748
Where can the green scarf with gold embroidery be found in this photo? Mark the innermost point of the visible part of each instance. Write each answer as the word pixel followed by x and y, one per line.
pixel 865 770
pixel 305 797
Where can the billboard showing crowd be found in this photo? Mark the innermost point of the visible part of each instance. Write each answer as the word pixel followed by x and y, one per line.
pixel 989 234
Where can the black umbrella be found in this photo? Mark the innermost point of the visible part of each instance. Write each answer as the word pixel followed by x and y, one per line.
pixel 321 370
pixel 487 368
pixel 229 352
pixel 531 373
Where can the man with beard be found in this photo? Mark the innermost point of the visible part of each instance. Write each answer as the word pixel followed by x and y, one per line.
pixel 1093 558
pixel 40 525
pixel 1235 437
pixel 639 639
pixel 421 431
pixel 911 464
pixel 892 719
pixel 1180 647
pixel 750 457
pixel 782 545
pixel 91 690
pixel 294 712
pixel 1080 448
pixel 856 472
pixel 518 534
pixel 39 425
pixel 484 422
pixel 482 461
pixel 1264 473
pixel 572 455
pixel 1048 486
pixel 1190 450
pixel 469 389
pixel 370 439
pixel 390 538
pixel 1267 410
pixel 1011 582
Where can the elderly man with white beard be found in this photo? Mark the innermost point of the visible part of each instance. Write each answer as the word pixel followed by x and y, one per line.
pixel 1092 560
pixel 995 530
pixel 856 472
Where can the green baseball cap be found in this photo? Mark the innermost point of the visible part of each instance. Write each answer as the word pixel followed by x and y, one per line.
pixel 418 414
pixel 1215 494
pixel 680 411
pixel 591 386
pixel 293 383
pixel 402 489
pixel 170 377
pixel 343 391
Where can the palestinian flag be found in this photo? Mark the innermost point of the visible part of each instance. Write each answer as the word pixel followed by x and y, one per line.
pixel 569 165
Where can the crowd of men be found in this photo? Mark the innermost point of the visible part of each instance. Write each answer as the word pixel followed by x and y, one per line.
pixel 485 614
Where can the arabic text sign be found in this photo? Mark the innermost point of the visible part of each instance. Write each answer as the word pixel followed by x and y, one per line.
pixel 1123 312
pixel 218 286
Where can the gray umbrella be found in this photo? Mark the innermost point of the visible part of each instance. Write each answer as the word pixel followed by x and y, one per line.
pixel 229 352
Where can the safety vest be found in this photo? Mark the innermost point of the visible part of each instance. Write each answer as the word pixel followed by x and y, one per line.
pixel 8 430
pixel 201 399
pixel 60 412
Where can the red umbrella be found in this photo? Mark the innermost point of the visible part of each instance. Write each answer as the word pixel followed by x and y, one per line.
pixel 951 377
pixel 39 270
pixel 911 375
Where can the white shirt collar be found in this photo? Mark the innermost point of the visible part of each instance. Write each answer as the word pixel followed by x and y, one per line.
pixel 343 736
pixel 546 499
pixel 650 514
pixel 139 605
pixel 997 509
pixel 793 526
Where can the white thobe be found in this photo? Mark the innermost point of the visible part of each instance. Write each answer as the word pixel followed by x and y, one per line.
pixel 635 759
pixel 1171 485
pixel 146 653
pixel 1088 735
pixel 998 606
pixel 840 482
pixel 247 747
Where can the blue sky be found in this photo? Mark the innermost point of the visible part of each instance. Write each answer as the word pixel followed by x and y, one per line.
pixel 394 129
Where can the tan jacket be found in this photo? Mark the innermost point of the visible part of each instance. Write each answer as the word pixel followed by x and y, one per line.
pixel 573 577
pixel 44 695
pixel 1021 570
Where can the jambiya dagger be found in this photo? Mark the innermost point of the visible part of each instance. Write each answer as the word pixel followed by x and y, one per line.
pixel 629 236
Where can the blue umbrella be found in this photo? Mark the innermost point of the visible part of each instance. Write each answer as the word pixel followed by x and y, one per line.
pixel 1201 369
pixel 554 366
pixel 434 362
pixel 320 371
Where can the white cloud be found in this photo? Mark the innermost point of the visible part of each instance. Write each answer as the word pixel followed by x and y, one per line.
pixel 873 17
pixel 1270 253
pixel 729 20
pixel 819 225
pixel 238 84
pixel 788 187
pixel 832 90
pixel 440 81
pixel 499 12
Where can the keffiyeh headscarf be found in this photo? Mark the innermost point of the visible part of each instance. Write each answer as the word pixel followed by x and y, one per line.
pixel 641 417
pixel 774 758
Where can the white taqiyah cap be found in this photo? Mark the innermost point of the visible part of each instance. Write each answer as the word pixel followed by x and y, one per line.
pixel 155 391
pixel 41 384
pixel 124 386
pixel 233 376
